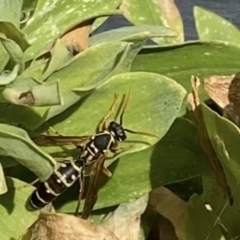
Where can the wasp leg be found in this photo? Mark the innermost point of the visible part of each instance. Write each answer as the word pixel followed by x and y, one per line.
pixel 103 124
pixel 61 135
pixel 117 151
pixel 81 191
pixel 28 184
pixel 53 130
pixel 106 172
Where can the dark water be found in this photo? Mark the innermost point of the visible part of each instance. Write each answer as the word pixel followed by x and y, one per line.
pixel 229 9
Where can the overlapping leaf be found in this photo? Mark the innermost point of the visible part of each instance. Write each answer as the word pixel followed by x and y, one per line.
pixel 157 13
pixel 128 33
pixel 212 27
pixel 225 139
pixel 15 143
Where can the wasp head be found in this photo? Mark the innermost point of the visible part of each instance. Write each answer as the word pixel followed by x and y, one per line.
pixel 117 131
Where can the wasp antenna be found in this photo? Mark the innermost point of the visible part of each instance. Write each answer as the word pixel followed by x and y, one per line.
pixel 142 133
pixel 125 103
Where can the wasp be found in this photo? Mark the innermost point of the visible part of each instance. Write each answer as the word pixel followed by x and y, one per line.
pixel 94 151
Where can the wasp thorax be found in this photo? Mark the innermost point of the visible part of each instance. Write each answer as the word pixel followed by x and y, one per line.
pixel 117 130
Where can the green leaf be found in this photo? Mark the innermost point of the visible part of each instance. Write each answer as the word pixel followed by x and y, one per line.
pixel 8 162
pixel 199 223
pixel 4 57
pixel 36 69
pixel 156 13
pixel 10 11
pixel 14 217
pixel 225 139
pixel 11 32
pixel 133 49
pixel 129 32
pixel 13 50
pixel 15 143
pixel 10 14
pixel 152 95
pixel 60 56
pixel 211 27
pixel 228 215
pixel 88 69
pixel 40 95
pixel 52 19
pixel 3 185
pixel 182 61
pixel 7 77
pixel 138 173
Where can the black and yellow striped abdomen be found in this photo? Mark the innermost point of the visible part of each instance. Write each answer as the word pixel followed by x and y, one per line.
pixel 61 179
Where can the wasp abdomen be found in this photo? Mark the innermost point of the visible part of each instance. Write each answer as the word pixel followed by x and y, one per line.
pixel 59 181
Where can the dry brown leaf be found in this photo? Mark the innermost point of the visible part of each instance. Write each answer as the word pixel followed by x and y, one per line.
pixel 225 92
pixel 125 220
pixel 77 38
pixel 66 227
pixel 166 203
pixel 204 140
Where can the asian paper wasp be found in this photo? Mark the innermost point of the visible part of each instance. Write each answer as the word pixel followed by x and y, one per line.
pixel 95 150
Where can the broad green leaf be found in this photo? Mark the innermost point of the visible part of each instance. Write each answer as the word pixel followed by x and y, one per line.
pixel 225 139
pixel 40 95
pixel 15 143
pixel 13 50
pixel 7 77
pixel 126 33
pixel 52 19
pixel 228 215
pixel 199 223
pixel 154 104
pixel 14 217
pixel 193 58
pixel 158 13
pixel 138 173
pixel 211 27
pixel 60 56
pixel 3 185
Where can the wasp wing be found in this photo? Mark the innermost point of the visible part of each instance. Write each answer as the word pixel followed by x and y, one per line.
pixel 93 187
pixel 46 140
